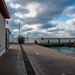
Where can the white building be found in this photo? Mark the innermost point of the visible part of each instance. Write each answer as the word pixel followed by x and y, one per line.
pixel 3 15
pixel 11 38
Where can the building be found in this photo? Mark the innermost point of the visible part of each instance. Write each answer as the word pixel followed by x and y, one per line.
pixel 20 40
pixel 9 38
pixel 4 14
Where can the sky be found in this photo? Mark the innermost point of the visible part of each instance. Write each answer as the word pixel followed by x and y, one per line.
pixel 42 18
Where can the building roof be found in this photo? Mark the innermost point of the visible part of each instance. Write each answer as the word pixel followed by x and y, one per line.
pixel 20 37
pixel 4 10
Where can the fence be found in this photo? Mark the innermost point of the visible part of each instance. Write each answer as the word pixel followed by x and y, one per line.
pixel 46 40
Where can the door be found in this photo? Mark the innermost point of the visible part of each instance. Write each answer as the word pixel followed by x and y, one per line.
pixel 21 41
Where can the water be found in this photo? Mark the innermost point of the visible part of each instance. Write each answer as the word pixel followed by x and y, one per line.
pixel 65 50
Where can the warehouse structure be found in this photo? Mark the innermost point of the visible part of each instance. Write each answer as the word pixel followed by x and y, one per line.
pixel 4 14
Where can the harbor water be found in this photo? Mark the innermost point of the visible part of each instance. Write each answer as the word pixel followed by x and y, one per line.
pixel 65 50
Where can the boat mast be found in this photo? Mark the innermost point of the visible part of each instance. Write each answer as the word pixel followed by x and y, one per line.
pixel 19 28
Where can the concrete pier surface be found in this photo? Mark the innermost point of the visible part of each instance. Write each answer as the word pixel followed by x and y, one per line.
pixel 46 61
pixel 12 63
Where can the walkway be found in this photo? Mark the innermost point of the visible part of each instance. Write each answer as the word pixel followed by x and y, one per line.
pixel 46 61
pixel 12 62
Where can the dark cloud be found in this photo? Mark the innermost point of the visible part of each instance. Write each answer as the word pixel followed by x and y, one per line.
pixel 23 2
pixel 13 25
pixel 50 10
pixel 11 10
pixel 37 34
pixel 15 10
pixel 46 26
pixel 53 8
pixel 36 20
pixel 28 29
pixel 56 30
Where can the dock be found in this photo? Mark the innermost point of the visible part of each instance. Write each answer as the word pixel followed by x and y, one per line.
pixel 11 63
pixel 32 59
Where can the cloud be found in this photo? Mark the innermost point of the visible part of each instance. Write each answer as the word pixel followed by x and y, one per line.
pixel 15 31
pixel 38 15
pixel 46 26
pixel 56 30
pixel 40 9
pixel 32 8
pixel 71 22
pixel 37 34
pixel 26 30
pixel 70 11
pixel 72 34
pixel 13 25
